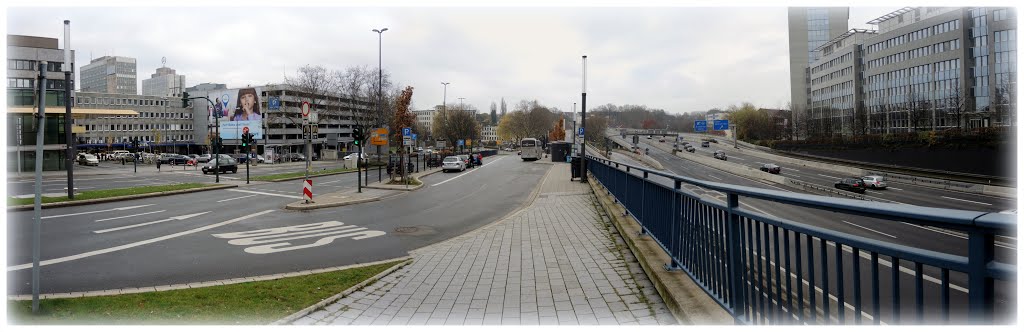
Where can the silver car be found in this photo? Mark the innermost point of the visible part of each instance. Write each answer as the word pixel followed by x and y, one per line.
pixel 453 163
pixel 874 181
pixel 88 160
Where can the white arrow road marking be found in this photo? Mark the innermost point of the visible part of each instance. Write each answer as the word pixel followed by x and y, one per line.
pixel 135 244
pixel 90 212
pixel 231 199
pixel 151 222
pixel 296 196
pixel 129 216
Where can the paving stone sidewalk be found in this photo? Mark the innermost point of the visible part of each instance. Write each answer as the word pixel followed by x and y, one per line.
pixel 556 262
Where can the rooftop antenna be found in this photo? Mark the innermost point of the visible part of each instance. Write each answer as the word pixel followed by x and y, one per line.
pixel 163 62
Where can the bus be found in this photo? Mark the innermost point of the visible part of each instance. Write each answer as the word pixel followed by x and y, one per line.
pixel 531 149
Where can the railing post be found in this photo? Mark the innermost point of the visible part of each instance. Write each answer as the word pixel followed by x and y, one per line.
pixel 677 210
pixel 981 287
pixel 643 206
pixel 735 265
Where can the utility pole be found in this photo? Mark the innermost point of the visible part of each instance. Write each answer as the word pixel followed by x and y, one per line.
pixel 69 163
pixel 38 209
pixel 583 123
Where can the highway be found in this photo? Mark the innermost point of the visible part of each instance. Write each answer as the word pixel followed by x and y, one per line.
pixel 241 232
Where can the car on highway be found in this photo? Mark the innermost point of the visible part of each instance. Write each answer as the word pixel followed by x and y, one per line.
pixel 852 184
pixel 650 137
pixel 720 155
pixel 453 163
pixel 874 181
pixel 771 168
pixel 662 140
pixel 88 160
pixel 712 140
pixel 223 164
pixel 203 158
pixel 689 148
pixel 705 144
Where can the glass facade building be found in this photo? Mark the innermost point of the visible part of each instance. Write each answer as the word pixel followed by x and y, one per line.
pixel 809 29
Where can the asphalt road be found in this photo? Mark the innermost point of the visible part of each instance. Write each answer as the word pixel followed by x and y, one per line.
pixel 882 230
pixel 244 232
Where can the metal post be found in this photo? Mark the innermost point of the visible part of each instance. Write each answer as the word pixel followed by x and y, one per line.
pixel 981 286
pixel 70 162
pixel 359 159
pixel 216 145
pixel 380 86
pixel 38 209
pixel 583 123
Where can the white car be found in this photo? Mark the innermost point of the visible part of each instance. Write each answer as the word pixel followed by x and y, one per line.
pixel 353 155
pixel 453 163
pixel 874 181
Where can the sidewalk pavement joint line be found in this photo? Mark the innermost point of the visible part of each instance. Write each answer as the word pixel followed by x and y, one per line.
pixel 129 216
pixel 264 193
pixel 350 290
pixel 135 244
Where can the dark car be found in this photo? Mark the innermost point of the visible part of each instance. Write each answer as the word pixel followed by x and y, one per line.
pixel 713 140
pixel 852 184
pixel 771 168
pixel 173 159
pixel 705 144
pixel 222 164
pixel 293 157
pixel 720 155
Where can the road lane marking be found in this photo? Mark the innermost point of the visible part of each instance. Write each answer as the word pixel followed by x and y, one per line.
pixel 467 173
pixel 90 212
pixel 135 244
pixel 719 179
pixel 129 216
pixel 855 225
pixel 231 199
pixel 895 188
pixel 330 182
pixel 1003 245
pixel 828 176
pixel 957 199
pixel 296 196
pixel 791 174
pixel 150 223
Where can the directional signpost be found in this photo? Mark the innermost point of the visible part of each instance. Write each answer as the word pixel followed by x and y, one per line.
pixel 700 126
pixel 721 125
pixel 305 125
pixel 274 103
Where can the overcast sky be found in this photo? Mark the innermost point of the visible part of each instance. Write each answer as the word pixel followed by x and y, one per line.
pixel 678 59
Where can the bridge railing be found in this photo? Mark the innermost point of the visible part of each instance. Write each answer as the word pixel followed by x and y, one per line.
pixel 768 270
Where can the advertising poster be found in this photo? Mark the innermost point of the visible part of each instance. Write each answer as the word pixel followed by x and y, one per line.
pixel 237 109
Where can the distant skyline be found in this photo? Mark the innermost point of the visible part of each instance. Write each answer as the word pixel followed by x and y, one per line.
pixel 680 59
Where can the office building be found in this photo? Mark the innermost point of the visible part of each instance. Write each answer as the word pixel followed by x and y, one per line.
pixel 489 133
pixel 161 124
pixel 165 82
pixel 425 119
pixel 835 84
pixel 110 74
pixel 809 28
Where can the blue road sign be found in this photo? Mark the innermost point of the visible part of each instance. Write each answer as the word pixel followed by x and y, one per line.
pixel 721 124
pixel 700 126
pixel 414 137
pixel 406 131
pixel 462 142
pixel 274 103
pixel 580 131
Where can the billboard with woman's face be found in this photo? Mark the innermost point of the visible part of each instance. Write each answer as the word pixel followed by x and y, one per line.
pixel 237 109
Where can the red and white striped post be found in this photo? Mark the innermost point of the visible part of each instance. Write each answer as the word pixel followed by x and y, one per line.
pixel 307 191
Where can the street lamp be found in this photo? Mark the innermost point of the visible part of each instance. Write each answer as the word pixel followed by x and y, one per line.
pixel 380 84
pixel 444 108
pixel 583 123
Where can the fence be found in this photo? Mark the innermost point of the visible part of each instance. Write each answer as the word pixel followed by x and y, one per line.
pixel 769 270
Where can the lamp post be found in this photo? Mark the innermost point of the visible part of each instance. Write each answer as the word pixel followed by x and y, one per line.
pixel 380 84
pixel 69 163
pixel 583 123
pixel 444 108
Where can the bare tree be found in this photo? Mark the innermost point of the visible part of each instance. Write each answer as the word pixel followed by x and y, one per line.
pixel 917 110
pixel 956 105
pixel 860 120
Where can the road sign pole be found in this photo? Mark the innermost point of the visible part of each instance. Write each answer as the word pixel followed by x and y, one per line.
pixel 38 208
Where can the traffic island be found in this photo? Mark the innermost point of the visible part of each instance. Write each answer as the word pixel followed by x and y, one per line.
pixel 341 198
pixel 403 187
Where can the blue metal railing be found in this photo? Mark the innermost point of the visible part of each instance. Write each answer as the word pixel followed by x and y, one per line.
pixel 768 270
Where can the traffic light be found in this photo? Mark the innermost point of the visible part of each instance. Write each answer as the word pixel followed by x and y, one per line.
pixel 357 135
pixel 245 140
pixel 184 100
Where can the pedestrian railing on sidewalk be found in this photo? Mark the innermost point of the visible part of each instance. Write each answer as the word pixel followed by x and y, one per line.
pixel 768 270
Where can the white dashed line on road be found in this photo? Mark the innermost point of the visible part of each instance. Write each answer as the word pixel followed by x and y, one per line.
pixel 719 179
pixel 231 199
pixel 129 216
pixel 828 176
pixel 99 211
pixel 295 196
pixel 150 223
pixel 855 225
pixel 957 199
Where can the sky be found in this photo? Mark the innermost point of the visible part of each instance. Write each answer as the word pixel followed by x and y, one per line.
pixel 679 59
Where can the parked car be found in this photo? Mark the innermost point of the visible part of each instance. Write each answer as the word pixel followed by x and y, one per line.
pixel 689 148
pixel 88 160
pixel 222 164
pixel 720 155
pixel 874 181
pixel 172 159
pixel 453 163
pixel 293 157
pixel 465 159
pixel 203 158
pixel 705 144
pixel 353 155
pixel 257 157
pixel 852 184
pixel 771 168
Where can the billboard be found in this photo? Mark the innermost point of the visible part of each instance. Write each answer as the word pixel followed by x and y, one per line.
pixel 237 109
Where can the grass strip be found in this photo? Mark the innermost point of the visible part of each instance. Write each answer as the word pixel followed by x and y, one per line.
pixel 299 175
pixel 105 193
pixel 257 302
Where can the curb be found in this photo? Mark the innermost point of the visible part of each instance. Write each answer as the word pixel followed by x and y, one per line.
pixel 402 187
pixel 311 176
pixel 198 284
pixel 314 206
pixel 119 198
pixel 350 290
pixel 686 299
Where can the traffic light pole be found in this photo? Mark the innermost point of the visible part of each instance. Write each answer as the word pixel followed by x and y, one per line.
pixel 216 140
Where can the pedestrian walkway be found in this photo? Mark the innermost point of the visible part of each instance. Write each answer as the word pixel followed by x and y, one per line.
pixel 556 262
